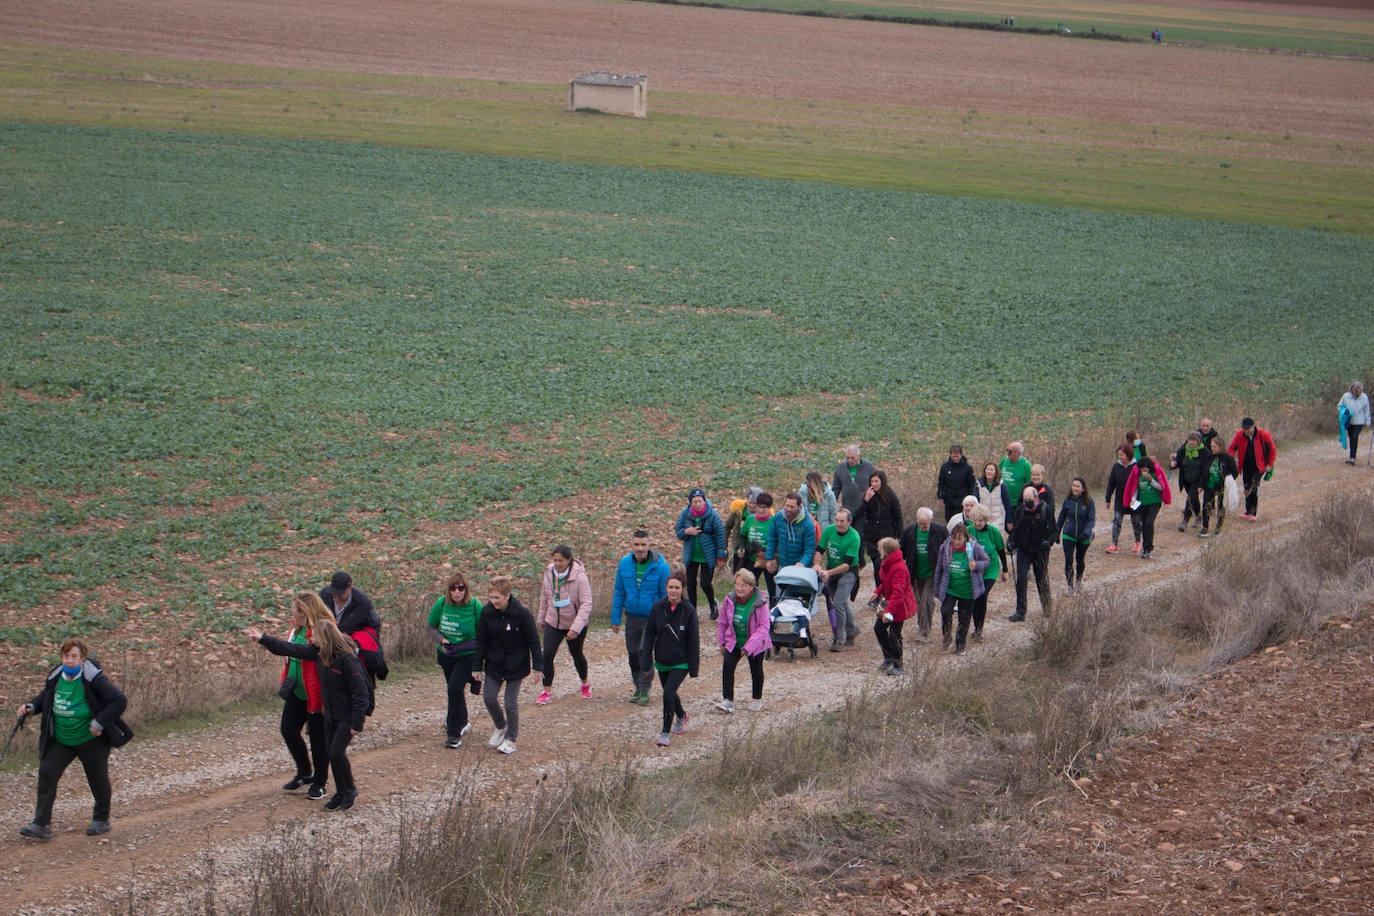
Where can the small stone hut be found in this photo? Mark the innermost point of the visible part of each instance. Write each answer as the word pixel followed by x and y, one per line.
pixel 611 93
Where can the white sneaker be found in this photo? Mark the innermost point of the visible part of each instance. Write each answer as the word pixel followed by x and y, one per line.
pixel 496 738
pixel 663 739
pixel 755 705
pixel 507 747
pixel 466 728
pixel 726 706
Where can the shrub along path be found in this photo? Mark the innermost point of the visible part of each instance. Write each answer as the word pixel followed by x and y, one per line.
pixel 192 810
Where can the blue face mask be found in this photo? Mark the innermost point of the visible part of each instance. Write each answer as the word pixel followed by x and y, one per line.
pixel 71 672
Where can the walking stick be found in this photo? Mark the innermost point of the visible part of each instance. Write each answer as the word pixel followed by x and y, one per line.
pixel 18 724
pixel 1370 456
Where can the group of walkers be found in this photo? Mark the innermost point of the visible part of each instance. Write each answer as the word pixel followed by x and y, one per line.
pixel 999 522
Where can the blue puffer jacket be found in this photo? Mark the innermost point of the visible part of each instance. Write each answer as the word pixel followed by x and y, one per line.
pixel 712 536
pixel 634 597
pixel 1076 520
pixel 792 543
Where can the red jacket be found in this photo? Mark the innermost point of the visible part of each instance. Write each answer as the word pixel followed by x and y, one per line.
pixel 1264 459
pixel 896 587
pixel 310 675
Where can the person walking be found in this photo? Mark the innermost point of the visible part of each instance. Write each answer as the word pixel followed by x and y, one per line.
pixel 899 606
pixel 303 701
pixel 992 494
pixel 1016 474
pixel 850 482
pixel 507 648
pixel 1355 406
pixel 1042 487
pixel 881 512
pixel 702 534
pixel 79 711
pixel 740 509
pixel 819 500
pixel 1147 493
pixel 1075 526
pixel 452 623
pixel 1255 454
pixel 353 609
pixel 959 580
pixel 1032 536
pixel 835 562
pixel 347 696
pixel 565 607
pixel 1116 490
pixel 743 631
pixel 753 537
pixel 1219 469
pixel 989 537
pixel 640 578
pixel 672 648
pixel 791 536
pixel 955 481
pixel 920 544
pixel 1190 460
pixel 964 515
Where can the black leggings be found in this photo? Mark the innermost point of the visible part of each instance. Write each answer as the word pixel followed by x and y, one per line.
pixel 552 638
pixel 1148 513
pixel 1352 430
pixel 705 572
pixel 671 680
pixel 338 735
pixel 727 673
pixel 1075 553
pixel 293 719
pixel 980 605
pixel 761 574
pixel 947 609
pixel 889 639
pixel 458 678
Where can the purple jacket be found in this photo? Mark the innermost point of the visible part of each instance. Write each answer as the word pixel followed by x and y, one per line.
pixel 759 637
pixel 980 563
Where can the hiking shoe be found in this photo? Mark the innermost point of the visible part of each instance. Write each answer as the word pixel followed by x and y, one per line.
pixel 586 691
pixel 634 697
pixel 887 663
pixel 643 697
pixel 1182 526
pixel 895 671
pixel 726 706
pixel 664 739
pixel 97 828
pixel 715 612
pixel 543 699
pixel 1148 555
pixel 977 635
pixel 496 738
pixel 296 782
pixel 1136 548
pixel 317 791
pixel 680 725
pixel 507 747
pixel 453 742
pixel 36 831
pixel 1204 533
pixel 755 705
pixel 835 646
pixel 959 650
pixel 1111 548
pixel 1017 617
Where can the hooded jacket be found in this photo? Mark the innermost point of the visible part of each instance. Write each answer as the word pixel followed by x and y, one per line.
pixel 576 589
pixel 507 642
pixel 671 637
pixel 1076 519
pixel 760 639
pixel 825 507
pixel 1133 482
pixel 634 596
pixel 1265 452
pixel 791 542
pixel 896 587
pixel 955 481
pixel 105 701
pixel 711 537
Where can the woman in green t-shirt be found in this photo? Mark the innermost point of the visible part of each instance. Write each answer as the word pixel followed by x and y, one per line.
pixel 452 623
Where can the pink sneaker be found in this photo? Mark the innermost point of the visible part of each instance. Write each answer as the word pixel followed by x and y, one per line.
pixel 544 698
pixel 1136 548
pixel 1111 548
pixel 586 691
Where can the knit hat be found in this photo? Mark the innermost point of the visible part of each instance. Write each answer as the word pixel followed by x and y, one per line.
pixel 696 491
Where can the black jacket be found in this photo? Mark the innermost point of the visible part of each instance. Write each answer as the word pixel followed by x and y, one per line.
pixel 850 491
pixel 876 519
pixel 344 686
pixel 954 482
pixel 507 642
pixel 358 613
pixel 1190 472
pixel 1046 494
pixel 1229 468
pixel 671 637
pixel 105 701
pixel 1076 519
pixel 1116 486
pixel 907 544
pixel 1034 529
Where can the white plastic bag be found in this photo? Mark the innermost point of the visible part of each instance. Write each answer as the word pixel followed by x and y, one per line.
pixel 1232 496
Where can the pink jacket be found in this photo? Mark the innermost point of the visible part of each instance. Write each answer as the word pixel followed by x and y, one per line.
pixel 1133 482
pixel 759 637
pixel 577 589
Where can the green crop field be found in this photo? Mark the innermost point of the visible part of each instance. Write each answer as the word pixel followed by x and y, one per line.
pixel 219 351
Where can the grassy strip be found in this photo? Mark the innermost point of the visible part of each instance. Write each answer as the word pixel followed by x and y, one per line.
pixel 1289 181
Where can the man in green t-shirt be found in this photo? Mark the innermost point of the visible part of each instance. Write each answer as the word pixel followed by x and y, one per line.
pixel 920 544
pixel 836 561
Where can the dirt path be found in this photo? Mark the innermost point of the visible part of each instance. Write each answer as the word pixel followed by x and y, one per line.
pixel 215 795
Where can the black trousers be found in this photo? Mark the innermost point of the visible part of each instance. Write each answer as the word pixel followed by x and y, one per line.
pixel 95 760
pixel 293 718
pixel 761 574
pixel 1352 431
pixel 947 609
pixel 1075 555
pixel 889 639
pixel 1028 562
pixel 1148 513
pixel 671 680
pixel 1252 480
pixel 338 734
pixel 980 605
pixel 703 572
pixel 552 639
pixel 1192 505
pixel 457 676
pixel 727 673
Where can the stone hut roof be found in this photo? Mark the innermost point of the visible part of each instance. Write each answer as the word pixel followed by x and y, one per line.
pixel 608 79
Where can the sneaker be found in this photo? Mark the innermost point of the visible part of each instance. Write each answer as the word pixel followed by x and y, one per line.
pixel 36 831
pixel 849 640
pixel 317 791
pixel 755 705
pixel 507 747
pixel 644 697
pixel 959 650
pixel 715 612
pixel 453 742
pixel 835 646
pixel 664 739
pixel 296 782
pixel 634 697
pixel 895 671
pixel 1069 588
pixel 496 738
pixel 586 691
pixel 1147 555
pixel 1017 617
pixel 543 699
pixel 462 732
pixel 1136 548
pixel 726 706
pixel 97 828
pixel 1204 533
pixel 1350 461
pixel 887 663
pixel 347 801
pixel 977 635
pixel 335 802
pixel 1111 548
pixel 1182 526
pixel 680 725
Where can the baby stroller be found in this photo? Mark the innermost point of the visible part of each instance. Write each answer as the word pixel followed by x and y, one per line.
pixel 798 590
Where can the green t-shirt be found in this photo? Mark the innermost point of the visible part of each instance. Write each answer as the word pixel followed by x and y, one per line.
pixel 293 665
pixel 924 569
pixel 698 555
pixel 1016 475
pixel 839 547
pixel 742 612
pixel 458 622
pixel 71 714
pixel 755 533
pixel 641 569
pixel 1214 475
pixel 1147 494
pixel 960 575
pixel 993 544
pixel 853 472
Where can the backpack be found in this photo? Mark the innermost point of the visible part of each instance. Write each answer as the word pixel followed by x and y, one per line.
pixel 374 662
